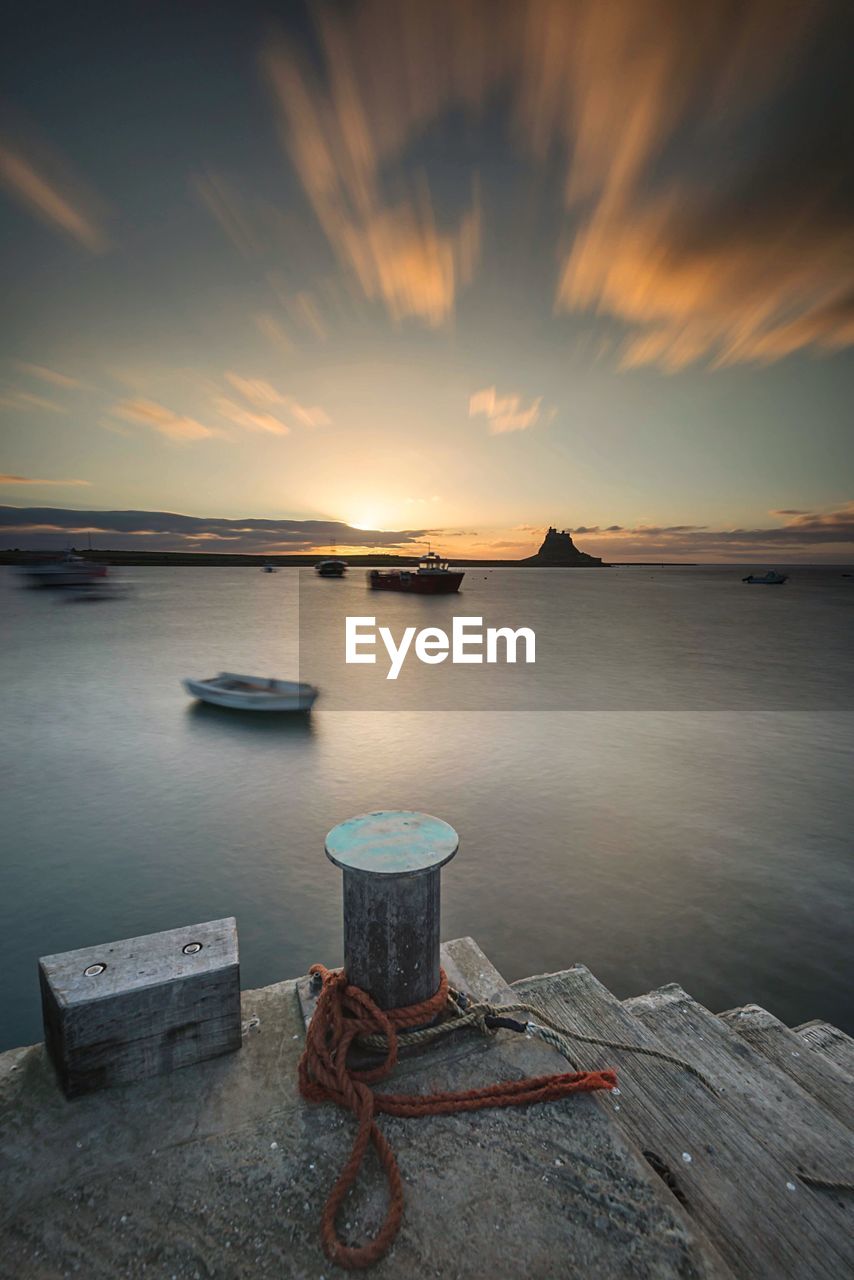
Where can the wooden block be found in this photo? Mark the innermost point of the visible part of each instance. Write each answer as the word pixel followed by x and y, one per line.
pixel 124 1011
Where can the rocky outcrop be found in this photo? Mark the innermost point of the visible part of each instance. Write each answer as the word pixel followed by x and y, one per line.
pixel 559 551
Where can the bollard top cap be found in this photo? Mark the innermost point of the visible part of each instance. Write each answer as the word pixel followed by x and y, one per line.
pixel 392 842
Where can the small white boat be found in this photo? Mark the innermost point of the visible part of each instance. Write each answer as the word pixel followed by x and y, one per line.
pixel 769 579
pixel 253 693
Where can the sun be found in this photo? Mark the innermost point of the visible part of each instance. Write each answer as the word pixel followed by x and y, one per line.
pixel 366 519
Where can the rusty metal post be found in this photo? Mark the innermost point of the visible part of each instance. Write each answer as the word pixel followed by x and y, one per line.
pixel 392 864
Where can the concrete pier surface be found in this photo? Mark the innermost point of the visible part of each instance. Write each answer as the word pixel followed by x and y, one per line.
pixel 221 1170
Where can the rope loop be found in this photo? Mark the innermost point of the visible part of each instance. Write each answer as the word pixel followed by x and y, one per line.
pixel 345 1012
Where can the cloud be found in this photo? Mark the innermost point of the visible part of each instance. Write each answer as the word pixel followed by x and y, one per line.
pixel 7 480
pixel 274 332
pixel 250 419
pixel 54 197
pixel 49 375
pixel 338 137
pixel 228 209
pixel 801 533
pixel 13 398
pixel 166 422
pixel 256 390
pixel 309 415
pixel 507 412
pixel 165 530
pixel 263 394
pixel 711 231
pixel 705 152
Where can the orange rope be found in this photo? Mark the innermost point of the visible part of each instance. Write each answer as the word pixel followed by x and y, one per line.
pixel 344 1012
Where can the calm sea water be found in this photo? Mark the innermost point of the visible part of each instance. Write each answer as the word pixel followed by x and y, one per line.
pixel 674 805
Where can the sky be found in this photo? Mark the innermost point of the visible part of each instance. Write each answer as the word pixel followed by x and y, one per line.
pixel 368 274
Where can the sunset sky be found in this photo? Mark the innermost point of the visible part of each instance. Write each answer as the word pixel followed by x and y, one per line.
pixel 430 268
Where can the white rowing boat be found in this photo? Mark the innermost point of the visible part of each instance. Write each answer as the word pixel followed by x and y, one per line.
pixel 253 693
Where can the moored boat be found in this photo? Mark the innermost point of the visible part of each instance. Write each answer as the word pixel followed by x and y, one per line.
pixel 433 577
pixel 331 568
pixel 769 579
pixel 69 570
pixel 253 693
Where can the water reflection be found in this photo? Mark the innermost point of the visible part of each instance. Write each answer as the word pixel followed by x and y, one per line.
pixel 223 720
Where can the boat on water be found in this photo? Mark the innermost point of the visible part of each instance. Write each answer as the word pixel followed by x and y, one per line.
pixel 433 577
pixel 769 579
pixel 253 693
pixel 69 570
pixel 331 568
pixel 268 568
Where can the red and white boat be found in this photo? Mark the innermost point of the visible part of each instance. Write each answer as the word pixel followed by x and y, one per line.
pixel 433 577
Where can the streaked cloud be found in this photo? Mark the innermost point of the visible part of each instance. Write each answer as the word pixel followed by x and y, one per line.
pixel 175 426
pixel 14 398
pixel 308 415
pixel 708 243
pixel 256 390
pixel 9 480
pixel 53 197
pixel 250 419
pixel 507 412
pixel 165 530
pixel 337 143
pixel 49 375
pixel 262 394
pixel 706 238
pixel 273 330
pixel 821 532
pixel 223 201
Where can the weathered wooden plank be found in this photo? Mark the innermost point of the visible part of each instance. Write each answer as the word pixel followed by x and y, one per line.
pixel 772 1106
pixel 747 1199
pixel 829 1041
pixel 613 1218
pixel 125 1011
pixel 833 1087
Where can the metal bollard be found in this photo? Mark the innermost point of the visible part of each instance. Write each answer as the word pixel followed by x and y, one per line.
pixel 392 864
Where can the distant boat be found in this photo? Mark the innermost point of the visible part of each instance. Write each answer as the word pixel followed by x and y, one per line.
pixel 433 577
pixel 69 570
pixel 331 568
pixel 769 579
pixel 268 568
pixel 253 693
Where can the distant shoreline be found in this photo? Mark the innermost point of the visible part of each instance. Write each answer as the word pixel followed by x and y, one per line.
pixel 200 559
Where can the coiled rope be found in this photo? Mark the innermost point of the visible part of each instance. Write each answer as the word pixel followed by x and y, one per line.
pixel 345 1012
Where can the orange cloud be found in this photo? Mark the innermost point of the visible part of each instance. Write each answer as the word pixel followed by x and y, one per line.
pixel 25 400
pixel 157 417
pixel 272 329
pixel 52 199
pixel 740 258
pixel 746 266
pixel 336 140
pixel 506 413
pixel 49 375
pixel 250 419
pixel 256 390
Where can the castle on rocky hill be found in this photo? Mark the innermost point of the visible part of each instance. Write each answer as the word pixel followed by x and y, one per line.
pixel 560 552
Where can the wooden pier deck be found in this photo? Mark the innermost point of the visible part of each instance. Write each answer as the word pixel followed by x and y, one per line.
pixel 220 1170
